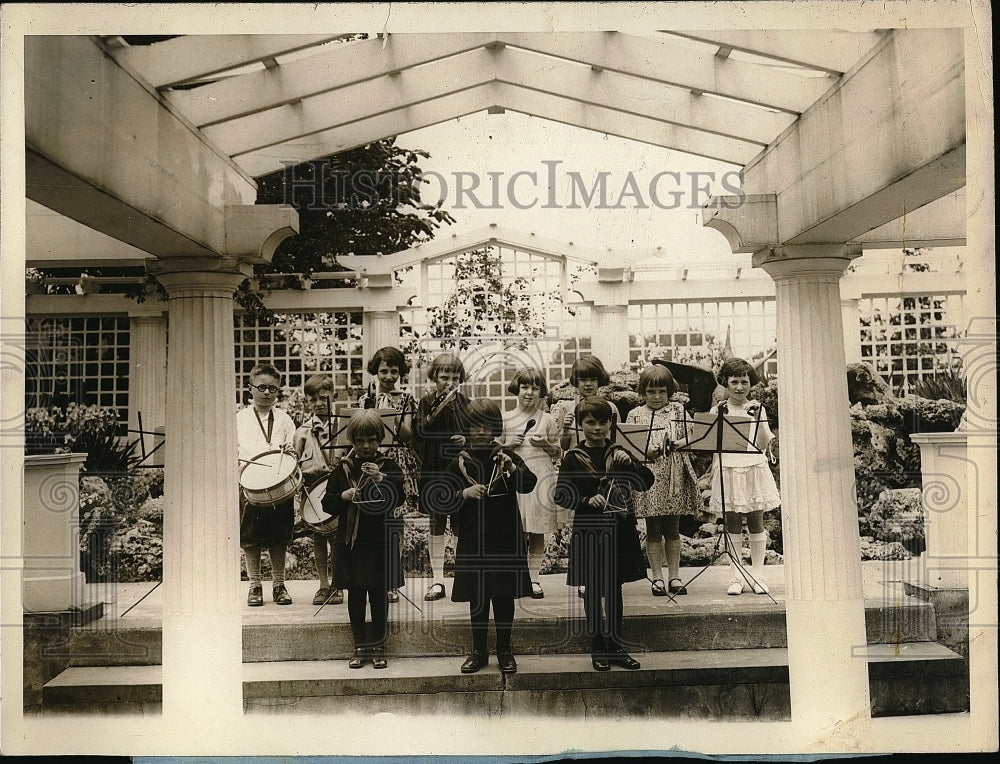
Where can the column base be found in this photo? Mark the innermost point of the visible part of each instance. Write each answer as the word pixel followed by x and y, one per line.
pixel 203 669
pixel 828 669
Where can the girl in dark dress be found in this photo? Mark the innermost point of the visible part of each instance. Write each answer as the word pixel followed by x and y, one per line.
pixel 437 439
pixel 596 481
pixel 363 492
pixel 480 486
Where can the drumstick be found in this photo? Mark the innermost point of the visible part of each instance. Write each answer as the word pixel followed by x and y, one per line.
pixel 530 423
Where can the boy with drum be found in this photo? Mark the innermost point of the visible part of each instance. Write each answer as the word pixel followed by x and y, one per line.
pixel 262 428
pixel 314 444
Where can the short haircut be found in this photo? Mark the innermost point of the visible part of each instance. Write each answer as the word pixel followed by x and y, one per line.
pixel 483 412
pixel 264 368
pixel 365 423
pixel 736 367
pixel 390 356
pixel 656 375
pixel 316 384
pixel 595 406
pixel 446 362
pixel 528 376
pixel 589 367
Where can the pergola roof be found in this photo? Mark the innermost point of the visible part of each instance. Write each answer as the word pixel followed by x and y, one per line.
pixel 176 130
pixel 264 99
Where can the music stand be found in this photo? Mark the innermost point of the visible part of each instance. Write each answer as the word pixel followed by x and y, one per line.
pixel 723 435
pixel 388 416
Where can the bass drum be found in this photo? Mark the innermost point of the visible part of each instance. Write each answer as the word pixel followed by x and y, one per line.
pixel 311 507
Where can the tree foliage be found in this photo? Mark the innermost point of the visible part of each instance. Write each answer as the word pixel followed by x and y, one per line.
pixel 483 306
pixel 364 201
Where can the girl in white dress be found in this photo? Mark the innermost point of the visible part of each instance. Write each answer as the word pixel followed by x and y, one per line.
pixel 533 434
pixel 750 489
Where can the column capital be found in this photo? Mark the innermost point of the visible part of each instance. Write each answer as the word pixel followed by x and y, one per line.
pixel 785 261
pixel 199 276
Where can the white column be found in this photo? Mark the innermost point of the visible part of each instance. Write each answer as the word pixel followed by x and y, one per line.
pixel 202 636
pixel 825 613
pixel 380 328
pixel 147 376
pixel 609 338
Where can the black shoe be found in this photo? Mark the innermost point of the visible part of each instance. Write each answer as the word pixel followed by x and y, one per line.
pixel 256 596
pixel 280 595
pixel 600 662
pixel 378 658
pixel 357 660
pixel 474 662
pixel 621 658
pixel 506 662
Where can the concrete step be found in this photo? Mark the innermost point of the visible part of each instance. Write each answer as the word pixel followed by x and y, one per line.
pixel 704 620
pixel 909 678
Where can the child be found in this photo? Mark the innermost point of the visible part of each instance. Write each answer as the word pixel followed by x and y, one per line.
pixel 437 439
pixel 750 489
pixel 538 446
pixel 490 559
pixel 363 492
pixel 388 365
pixel 675 490
pixel 587 375
pixel 596 480
pixel 316 459
pixel 261 427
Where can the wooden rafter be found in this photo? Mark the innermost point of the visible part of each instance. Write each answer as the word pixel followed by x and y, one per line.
pixel 187 58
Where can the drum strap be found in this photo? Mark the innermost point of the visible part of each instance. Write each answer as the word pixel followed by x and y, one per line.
pixel 270 425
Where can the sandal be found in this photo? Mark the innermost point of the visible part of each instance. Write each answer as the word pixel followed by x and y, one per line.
pixel 436 592
pixel 658 589
pixel 677 588
pixel 536 591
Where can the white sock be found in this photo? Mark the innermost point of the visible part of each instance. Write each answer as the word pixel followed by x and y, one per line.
pixel 654 551
pixel 672 549
pixel 758 552
pixel 735 542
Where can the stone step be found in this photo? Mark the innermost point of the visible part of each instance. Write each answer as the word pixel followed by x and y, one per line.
pixel 294 634
pixel 907 678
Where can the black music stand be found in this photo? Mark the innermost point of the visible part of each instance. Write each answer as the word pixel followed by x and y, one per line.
pixel 723 435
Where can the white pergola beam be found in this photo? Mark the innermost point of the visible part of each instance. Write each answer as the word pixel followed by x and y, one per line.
pixel 888 138
pixel 668 62
pixel 443 246
pixel 353 103
pixel 826 50
pixel 651 102
pixel 334 67
pixel 505 95
pixel 361 132
pixel 938 224
pixel 56 241
pixel 182 59
pixel 108 153
pixel 634 127
pixel 632 95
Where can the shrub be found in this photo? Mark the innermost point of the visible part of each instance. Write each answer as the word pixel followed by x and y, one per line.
pixel 948 384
